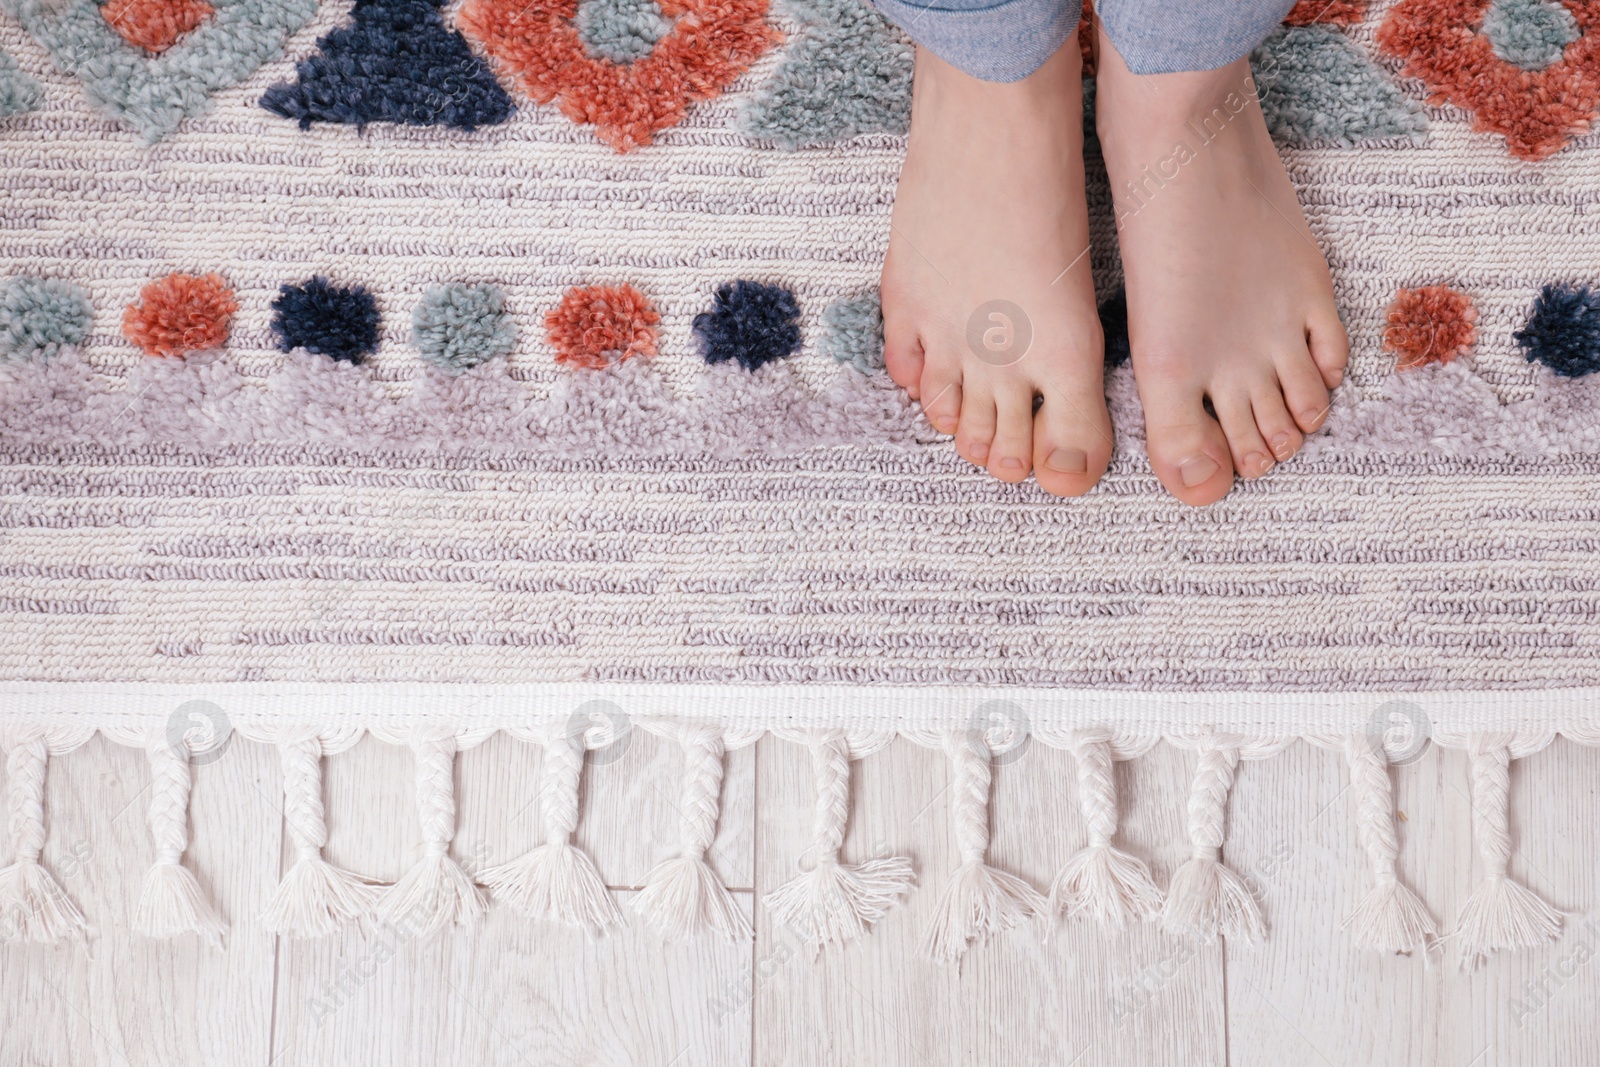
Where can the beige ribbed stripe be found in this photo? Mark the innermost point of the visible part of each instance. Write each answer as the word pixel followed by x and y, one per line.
pixel 838 566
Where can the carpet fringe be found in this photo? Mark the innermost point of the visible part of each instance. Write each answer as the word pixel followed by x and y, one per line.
pixel 836 902
pixel 1501 913
pixel 828 902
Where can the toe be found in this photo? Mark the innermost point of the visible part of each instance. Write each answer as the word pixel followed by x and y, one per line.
pixel 1330 347
pixel 902 354
pixel 1071 443
pixel 1251 456
pixel 1304 393
pixel 940 395
pixel 975 434
pixel 1188 451
pixel 1276 425
pixel 1011 452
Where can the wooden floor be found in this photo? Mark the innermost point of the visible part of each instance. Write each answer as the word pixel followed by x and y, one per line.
pixel 514 994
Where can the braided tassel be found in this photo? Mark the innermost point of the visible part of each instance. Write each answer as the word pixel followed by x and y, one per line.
pixel 435 892
pixel 33 906
pixel 682 896
pixel 1101 880
pixel 1390 917
pixel 1206 898
pixel 834 902
pixel 980 900
pixel 172 902
pixel 557 881
pixel 315 898
pixel 1501 913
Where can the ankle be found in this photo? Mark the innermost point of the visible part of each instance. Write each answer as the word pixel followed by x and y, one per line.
pixel 942 88
pixel 1163 100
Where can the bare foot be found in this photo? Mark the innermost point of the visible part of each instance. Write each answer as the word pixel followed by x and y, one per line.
pixel 1235 337
pixel 988 305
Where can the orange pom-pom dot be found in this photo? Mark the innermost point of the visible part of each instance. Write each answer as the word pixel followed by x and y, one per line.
pixel 180 313
pixel 155 25
pixel 1434 324
pixel 597 325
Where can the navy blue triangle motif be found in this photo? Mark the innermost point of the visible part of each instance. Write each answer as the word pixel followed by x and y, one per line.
pixel 396 62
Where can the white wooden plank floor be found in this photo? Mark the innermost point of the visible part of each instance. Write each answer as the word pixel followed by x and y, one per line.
pixel 515 994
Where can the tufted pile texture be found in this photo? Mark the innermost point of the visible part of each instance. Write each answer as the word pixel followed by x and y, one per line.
pixel 1563 332
pixel 180 313
pixel 1434 324
pixel 18 92
pixel 460 326
pixel 395 62
pixel 1318 86
pixel 40 316
pixel 847 73
pixel 750 323
pixel 155 25
pixel 621 30
pixel 330 320
pixel 852 332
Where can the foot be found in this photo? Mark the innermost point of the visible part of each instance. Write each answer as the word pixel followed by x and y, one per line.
pixel 1236 341
pixel 988 306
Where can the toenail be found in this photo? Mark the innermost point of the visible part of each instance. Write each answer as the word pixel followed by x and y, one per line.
pixel 1280 444
pixel 1196 470
pixel 1069 461
pixel 980 450
pixel 1255 461
pixel 1310 417
pixel 1012 463
pixel 947 424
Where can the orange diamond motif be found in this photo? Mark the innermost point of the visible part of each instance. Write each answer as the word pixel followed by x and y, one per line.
pixel 155 25
pixel 536 42
pixel 1536 111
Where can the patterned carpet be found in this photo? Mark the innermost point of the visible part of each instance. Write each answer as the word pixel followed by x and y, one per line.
pixel 472 480
pixel 534 347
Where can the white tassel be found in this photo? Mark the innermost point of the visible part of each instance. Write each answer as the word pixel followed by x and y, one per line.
pixel 315 898
pixel 1390 917
pixel 33 906
pixel 1501 913
pixel 1101 881
pixel 834 902
pixel 556 881
pixel 435 893
pixel 172 902
pixel 980 900
pixel 1206 898
pixel 682 896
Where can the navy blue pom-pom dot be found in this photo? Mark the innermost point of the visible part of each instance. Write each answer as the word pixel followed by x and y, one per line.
pixel 322 318
pixel 1563 332
pixel 1114 324
pixel 396 62
pixel 749 323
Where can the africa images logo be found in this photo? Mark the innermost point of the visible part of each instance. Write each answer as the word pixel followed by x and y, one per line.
pixel 1402 729
pixel 200 727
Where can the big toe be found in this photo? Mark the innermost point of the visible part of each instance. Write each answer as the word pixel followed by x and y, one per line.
pixel 1188 450
pixel 1071 442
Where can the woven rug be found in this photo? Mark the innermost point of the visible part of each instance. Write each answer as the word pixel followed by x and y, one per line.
pixel 431 372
